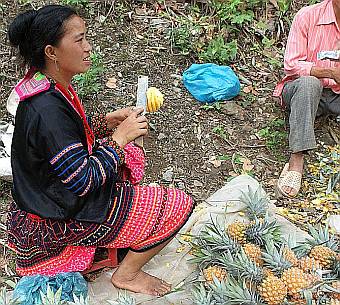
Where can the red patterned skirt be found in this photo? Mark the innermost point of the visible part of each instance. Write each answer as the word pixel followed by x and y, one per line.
pixel 140 218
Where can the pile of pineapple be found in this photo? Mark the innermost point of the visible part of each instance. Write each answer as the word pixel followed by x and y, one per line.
pixel 251 263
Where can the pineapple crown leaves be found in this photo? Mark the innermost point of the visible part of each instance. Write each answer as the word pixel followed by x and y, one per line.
pixel 215 236
pixel 336 267
pixel 55 298
pixel 274 258
pixel 219 290
pixel 256 203
pixel 79 301
pixel 241 266
pixel 52 298
pixel 238 293
pixel 123 299
pixel 4 300
pixel 261 231
pixel 328 288
pixel 211 243
pixel 204 256
pixel 320 236
pixel 202 296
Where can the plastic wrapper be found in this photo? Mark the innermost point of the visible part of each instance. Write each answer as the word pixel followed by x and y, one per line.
pixel 29 288
pixel 210 83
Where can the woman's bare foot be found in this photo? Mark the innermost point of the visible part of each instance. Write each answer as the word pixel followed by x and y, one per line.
pixel 295 164
pixel 140 282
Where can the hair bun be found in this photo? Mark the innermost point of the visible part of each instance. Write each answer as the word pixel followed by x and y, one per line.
pixel 20 27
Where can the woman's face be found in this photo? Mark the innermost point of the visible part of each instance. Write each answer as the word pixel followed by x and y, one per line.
pixel 73 50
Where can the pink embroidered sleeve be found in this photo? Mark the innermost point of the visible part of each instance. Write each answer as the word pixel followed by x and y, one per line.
pixel 295 61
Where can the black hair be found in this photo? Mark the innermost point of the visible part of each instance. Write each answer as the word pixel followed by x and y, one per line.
pixel 33 30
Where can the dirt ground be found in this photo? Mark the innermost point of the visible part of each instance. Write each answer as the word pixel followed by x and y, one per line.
pixel 183 146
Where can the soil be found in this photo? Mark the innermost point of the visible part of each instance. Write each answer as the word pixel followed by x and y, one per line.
pixel 182 147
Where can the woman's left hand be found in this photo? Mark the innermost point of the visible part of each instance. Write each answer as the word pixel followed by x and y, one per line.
pixel 116 117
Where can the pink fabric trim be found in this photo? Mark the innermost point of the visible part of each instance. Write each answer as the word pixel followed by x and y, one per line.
pixel 33 83
pixel 73 258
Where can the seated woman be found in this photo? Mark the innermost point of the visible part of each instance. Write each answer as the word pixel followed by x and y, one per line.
pixel 70 192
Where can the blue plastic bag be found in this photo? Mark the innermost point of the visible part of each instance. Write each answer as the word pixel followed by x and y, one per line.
pixel 28 288
pixel 210 83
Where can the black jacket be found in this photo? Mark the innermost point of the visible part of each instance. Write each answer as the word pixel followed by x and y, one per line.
pixel 45 124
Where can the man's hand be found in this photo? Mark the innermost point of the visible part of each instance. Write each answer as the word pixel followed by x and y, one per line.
pixel 117 117
pixel 336 75
pixel 333 73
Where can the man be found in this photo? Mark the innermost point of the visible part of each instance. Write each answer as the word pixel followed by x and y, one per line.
pixel 311 87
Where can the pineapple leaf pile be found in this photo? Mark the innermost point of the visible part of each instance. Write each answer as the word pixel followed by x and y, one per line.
pixel 251 263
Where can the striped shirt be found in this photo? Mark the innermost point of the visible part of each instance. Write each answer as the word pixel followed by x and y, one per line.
pixel 314 29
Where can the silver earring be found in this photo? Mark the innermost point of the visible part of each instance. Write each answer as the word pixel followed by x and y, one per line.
pixel 56 65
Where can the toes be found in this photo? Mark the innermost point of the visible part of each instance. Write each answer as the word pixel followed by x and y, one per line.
pixel 165 285
pixel 162 289
pixel 289 191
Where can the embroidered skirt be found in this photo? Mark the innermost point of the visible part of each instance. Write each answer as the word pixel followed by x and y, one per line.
pixel 140 217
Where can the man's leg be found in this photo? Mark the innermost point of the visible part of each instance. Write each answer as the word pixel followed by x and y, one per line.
pixel 330 102
pixel 302 97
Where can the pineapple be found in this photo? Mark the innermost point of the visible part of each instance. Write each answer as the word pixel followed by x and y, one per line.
pixel 253 252
pixel 324 255
pixel 273 290
pixel 295 280
pixel 236 231
pixel 307 264
pixel 258 231
pixel 211 243
pixel 320 236
pixel 290 256
pixel 214 271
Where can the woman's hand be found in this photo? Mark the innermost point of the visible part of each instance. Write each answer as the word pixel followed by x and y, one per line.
pixel 132 127
pixel 116 117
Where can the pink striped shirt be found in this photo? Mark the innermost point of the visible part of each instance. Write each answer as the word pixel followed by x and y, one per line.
pixel 314 29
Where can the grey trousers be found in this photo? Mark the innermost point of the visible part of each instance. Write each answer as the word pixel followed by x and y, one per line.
pixel 306 99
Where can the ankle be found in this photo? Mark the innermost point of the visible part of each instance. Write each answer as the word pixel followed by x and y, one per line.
pixel 126 273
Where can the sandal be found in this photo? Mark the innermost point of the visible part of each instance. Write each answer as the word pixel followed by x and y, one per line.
pixel 290 179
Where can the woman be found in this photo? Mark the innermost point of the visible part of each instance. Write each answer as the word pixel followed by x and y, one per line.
pixel 69 192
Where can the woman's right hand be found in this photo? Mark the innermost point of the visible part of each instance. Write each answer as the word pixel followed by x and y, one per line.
pixel 132 127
